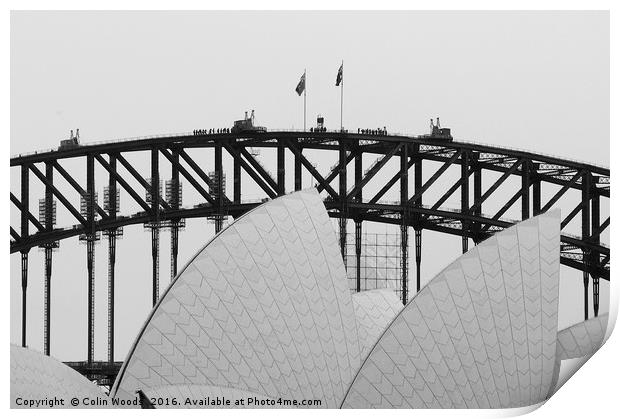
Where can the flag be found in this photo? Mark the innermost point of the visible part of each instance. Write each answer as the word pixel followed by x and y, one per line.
pixel 301 86
pixel 339 76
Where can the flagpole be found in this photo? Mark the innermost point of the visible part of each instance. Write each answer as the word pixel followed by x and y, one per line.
pixel 305 88
pixel 341 94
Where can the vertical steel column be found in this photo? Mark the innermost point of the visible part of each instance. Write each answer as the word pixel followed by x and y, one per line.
pixel 418 257
pixel 477 194
pixel 112 210
pixel 358 222
pixel 155 271
pixel 237 178
pixel 404 227
pixel 219 217
pixel 342 221
pixel 418 204
pixel 535 194
pixel 25 185
pixel 595 256
pixel 90 252
pixel 111 263
pixel 49 226
pixel 281 168
pixel 465 197
pixel 358 255
pixel 298 185
pixel 585 235
pixel 155 227
pixel 175 204
pixel 24 288
pixel 174 249
pixel 525 189
pixel 47 300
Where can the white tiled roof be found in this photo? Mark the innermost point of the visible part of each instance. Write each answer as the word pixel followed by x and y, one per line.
pixel 482 333
pixel 35 376
pixel 374 310
pixel 263 308
pixel 583 338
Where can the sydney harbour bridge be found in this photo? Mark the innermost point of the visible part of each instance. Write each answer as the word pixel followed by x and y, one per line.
pixel 348 194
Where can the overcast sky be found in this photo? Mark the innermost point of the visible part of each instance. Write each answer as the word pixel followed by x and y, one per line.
pixel 537 81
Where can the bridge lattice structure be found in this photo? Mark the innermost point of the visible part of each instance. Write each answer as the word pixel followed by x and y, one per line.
pixel 348 190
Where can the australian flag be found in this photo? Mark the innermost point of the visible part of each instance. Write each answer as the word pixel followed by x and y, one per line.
pixel 339 76
pixel 301 86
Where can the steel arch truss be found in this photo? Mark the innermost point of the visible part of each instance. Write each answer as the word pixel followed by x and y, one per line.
pixel 349 188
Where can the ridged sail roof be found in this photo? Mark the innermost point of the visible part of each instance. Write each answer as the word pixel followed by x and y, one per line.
pixel 263 308
pixel 481 334
pixel 583 338
pixel 374 310
pixel 35 376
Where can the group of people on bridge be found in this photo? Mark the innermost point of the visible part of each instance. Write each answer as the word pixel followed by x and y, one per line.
pixel 212 131
pixel 377 131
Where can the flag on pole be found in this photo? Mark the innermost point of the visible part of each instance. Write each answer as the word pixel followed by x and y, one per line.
pixel 301 86
pixel 339 76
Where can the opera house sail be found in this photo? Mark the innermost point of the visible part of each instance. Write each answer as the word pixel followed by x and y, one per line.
pixel 39 381
pixel 263 308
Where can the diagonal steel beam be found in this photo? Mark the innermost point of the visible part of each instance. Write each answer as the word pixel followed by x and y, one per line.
pixel 452 189
pixel 257 166
pixel 187 176
pixel 497 184
pixel 123 183
pixel 31 217
pixel 390 183
pixel 374 170
pixel 196 168
pixel 571 215
pixel 57 194
pixel 14 234
pixel 76 186
pixel 503 209
pixel 336 170
pixel 562 191
pixel 310 167
pixel 139 178
pixel 435 176
pixel 596 233
pixel 260 181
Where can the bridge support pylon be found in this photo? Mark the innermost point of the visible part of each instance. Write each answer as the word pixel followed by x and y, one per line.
pixel 111 272
pixel 155 255
pixel 174 250
pixel 585 233
pixel 24 294
pixel 464 198
pixel 47 300
pixel 90 263
pixel 404 260
pixel 342 221
pixel 358 255
pixel 418 257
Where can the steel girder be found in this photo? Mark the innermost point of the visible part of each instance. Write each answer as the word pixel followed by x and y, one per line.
pixel 467 221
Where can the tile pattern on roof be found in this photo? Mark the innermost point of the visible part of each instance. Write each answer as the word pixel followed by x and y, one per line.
pixel 35 376
pixel 481 334
pixel 583 338
pixel 263 308
pixel 374 310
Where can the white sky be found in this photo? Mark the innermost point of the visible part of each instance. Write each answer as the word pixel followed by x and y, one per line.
pixel 537 81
